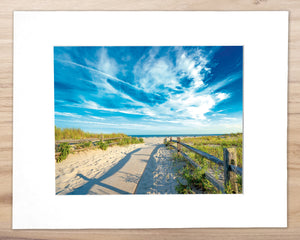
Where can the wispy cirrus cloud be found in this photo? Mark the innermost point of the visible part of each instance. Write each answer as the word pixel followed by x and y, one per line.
pixel 183 87
pixel 66 114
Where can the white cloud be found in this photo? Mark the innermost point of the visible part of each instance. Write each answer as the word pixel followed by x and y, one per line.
pixel 107 64
pixel 101 82
pixel 229 118
pixel 98 118
pixel 191 64
pixel 158 74
pixel 222 96
pixel 66 114
pixel 155 74
pixel 95 106
pixel 114 125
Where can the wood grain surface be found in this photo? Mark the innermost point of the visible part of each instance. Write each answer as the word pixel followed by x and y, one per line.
pixel 6 98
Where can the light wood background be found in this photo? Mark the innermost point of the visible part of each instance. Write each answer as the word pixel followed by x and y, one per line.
pixel 6 96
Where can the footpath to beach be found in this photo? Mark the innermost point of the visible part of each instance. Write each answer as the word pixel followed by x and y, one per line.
pixel 135 169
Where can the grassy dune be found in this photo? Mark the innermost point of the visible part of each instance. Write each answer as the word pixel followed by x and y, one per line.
pixel 77 133
pixel 195 178
pixel 214 145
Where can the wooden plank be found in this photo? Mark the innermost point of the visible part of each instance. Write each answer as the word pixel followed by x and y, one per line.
pixel 236 169
pixel 178 145
pixel 172 146
pixel 203 154
pixel 212 158
pixel 229 156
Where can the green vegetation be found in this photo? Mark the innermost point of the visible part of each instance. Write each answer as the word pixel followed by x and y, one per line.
pixel 196 181
pixel 124 141
pixel 76 133
pixel 239 180
pixel 177 157
pixel 84 145
pixel 136 140
pixel 212 145
pixel 227 140
pixel 133 140
pixel 64 150
pixel 102 145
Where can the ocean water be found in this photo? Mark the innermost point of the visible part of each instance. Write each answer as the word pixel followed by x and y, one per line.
pixel 176 135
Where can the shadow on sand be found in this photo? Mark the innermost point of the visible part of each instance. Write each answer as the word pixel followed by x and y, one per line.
pixel 148 174
pixel 84 189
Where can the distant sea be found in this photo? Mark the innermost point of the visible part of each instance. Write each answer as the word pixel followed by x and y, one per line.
pixel 176 135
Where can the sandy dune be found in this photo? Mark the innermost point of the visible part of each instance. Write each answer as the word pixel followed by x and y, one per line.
pixel 118 170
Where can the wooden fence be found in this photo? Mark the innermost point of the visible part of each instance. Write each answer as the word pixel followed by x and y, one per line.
pixel 229 164
pixel 92 140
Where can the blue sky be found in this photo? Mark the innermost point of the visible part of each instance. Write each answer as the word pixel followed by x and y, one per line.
pixel 149 90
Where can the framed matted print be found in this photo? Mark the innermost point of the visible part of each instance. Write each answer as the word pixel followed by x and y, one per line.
pixel 150 119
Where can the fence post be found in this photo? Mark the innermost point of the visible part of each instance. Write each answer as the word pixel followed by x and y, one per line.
pixel 178 145
pixel 229 158
pixel 102 137
pixel 130 139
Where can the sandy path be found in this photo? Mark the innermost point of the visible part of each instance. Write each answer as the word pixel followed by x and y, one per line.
pixel 160 174
pixel 118 170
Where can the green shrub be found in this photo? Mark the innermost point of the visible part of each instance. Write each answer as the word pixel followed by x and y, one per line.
pixel 87 144
pixel 183 189
pixel 124 141
pixel 64 150
pixel 141 140
pixel 228 188
pixel 102 145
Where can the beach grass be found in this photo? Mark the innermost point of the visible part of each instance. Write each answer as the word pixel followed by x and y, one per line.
pixel 77 133
pixel 212 145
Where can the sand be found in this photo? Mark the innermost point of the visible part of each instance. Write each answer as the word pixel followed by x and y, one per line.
pixel 160 175
pixel 139 168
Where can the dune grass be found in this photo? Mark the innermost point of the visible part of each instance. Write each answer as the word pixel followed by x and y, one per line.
pixel 77 133
pixel 212 145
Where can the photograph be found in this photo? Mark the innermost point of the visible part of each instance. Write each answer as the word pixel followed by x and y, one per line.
pixel 148 120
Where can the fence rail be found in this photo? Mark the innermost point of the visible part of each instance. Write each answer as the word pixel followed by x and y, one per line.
pixel 229 164
pixel 78 141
